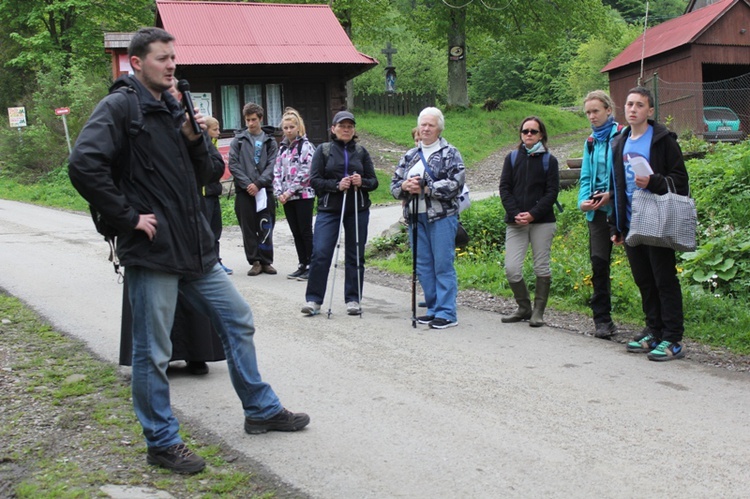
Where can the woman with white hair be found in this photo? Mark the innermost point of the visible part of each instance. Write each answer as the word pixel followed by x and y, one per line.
pixel 432 174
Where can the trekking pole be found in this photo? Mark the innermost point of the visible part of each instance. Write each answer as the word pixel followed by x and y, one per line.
pixel 356 241
pixel 414 213
pixel 336 256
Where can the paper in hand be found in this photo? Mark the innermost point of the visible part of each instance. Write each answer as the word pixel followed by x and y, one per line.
pixel 640 166
pixel 261 200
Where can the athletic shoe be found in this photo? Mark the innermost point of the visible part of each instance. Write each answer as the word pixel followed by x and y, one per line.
pixel 352 308
pixel 283 421
pixel 226 269
pixel 300 270
pixel 304 275
pixel 177 458
pixel 643 344
pixel 605 330
pixel 268 269
pixel 311 308
pixel 197 367
pixel 440 323
pixel 425 319
pixel 256 269
pixel 666 350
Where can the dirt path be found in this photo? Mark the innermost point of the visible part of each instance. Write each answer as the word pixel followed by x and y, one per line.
pixel 486 173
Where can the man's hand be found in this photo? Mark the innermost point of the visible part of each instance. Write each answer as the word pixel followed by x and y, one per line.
pixel 252 189
pixel 187 127
pixel 642 181
pixel 147 223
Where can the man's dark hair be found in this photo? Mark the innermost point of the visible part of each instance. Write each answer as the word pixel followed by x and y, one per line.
pixel 644 92
pixel 140 44
pixel 252 108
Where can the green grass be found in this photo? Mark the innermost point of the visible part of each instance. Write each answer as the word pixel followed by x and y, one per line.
pixel 714 278
pixel 64 436
pixel 475 132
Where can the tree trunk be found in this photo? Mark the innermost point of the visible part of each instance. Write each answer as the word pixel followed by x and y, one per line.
pixel 458 91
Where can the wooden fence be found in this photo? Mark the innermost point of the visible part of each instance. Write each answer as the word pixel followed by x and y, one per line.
pixel 402 104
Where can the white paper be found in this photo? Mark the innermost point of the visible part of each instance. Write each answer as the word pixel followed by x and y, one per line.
pixel 261 200
pixel 640 166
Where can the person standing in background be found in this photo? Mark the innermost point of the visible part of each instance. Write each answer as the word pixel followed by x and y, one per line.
pixel 252 156
pixel 596 171
pixel 291 186
pixel 528 190
pixel 342 172
pixel 212 192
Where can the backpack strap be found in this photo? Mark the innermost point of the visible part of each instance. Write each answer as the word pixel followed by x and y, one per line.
pixel 545 165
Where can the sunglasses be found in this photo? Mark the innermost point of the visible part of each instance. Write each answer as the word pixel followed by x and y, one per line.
pixel 527 131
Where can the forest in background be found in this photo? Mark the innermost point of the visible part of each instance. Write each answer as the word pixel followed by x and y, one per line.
pixel 51 54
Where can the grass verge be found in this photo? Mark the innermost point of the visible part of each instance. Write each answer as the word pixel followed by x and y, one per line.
pixel 67 425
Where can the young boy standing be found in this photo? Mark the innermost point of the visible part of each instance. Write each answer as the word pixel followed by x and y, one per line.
pixel 252 155
pixel 654 268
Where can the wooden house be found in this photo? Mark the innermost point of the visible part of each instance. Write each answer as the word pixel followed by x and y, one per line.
pixel 688 55
pixel 275 55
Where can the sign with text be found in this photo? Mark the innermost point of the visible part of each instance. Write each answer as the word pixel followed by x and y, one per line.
pixel 202 100
pixel 17 116
pixel 62 110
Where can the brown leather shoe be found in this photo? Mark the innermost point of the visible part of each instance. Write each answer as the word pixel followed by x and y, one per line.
pixel 268 269
pixel 255 270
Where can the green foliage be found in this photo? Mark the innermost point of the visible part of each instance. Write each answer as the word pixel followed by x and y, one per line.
pixel 53 189
pixel 715 278
pixel 473 131
pixel 720 185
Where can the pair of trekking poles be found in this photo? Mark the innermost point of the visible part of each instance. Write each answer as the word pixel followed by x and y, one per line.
pixel 338 247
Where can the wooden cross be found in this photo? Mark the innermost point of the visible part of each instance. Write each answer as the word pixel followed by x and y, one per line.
pixel 388 51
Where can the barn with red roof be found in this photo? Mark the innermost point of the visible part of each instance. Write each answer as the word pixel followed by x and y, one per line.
pixel 703 46
pixel 275 55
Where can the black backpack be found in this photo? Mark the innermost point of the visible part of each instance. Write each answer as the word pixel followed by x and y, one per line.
pixel 135 126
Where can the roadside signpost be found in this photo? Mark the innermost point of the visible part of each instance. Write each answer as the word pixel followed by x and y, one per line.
pixel 17 117
pixel 62 111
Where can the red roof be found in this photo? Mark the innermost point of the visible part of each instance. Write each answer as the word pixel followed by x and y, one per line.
pixel 256 33
pixel 671 34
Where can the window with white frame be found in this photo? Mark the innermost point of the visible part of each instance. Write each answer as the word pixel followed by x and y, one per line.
pixel 235 96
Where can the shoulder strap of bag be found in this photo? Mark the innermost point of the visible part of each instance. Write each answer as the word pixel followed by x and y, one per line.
pixel 545 165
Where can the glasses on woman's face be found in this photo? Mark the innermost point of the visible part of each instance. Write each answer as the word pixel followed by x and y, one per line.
pixel 529 131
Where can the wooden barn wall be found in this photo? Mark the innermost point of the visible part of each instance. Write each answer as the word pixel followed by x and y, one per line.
pixel 672 66
pixel 727 30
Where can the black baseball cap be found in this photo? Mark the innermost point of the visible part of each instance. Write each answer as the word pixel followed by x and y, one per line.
pixel 343 115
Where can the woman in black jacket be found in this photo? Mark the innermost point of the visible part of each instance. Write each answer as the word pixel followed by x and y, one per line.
pixel 529 185
pixel 341 172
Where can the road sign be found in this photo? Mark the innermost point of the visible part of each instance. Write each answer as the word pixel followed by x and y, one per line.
pixel 62 110
pixel 17 116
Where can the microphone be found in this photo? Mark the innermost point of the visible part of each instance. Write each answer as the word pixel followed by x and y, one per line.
pixel 184 87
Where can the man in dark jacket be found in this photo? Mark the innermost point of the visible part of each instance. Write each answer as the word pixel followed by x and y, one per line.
pixel 654 268
pixel 142 174
pixel 252 156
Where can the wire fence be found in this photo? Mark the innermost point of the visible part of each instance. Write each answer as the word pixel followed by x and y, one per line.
pixel 718 110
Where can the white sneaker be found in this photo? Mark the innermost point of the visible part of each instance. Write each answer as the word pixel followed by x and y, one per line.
pixel 352 308
pixel 311 308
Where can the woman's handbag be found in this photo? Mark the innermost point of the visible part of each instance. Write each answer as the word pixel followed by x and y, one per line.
pixel 462 237
pixel 668 220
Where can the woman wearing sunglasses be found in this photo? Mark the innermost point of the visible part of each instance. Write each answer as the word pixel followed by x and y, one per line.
pixel 529 185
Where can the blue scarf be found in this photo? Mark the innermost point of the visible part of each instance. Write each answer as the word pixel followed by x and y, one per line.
pixel 601 133
pixel 536 148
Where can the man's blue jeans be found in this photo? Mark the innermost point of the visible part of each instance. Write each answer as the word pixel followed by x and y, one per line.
pixel 153 297
pixel 436 251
